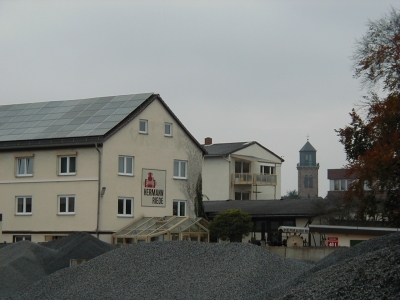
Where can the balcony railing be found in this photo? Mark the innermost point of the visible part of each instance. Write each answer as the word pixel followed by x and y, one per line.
pixel 254 179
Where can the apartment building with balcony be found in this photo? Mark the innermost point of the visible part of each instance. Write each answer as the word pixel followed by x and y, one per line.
pixel 93 165
pixel 241 171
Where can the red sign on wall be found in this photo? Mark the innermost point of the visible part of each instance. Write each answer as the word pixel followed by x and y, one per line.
pixel 333 241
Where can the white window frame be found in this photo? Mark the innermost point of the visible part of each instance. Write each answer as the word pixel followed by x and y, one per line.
pixel 125 164
pixel 178 175
pixel 24 160
pixel 178 202
pixel 124 200
pixel 68 157
pixel 66 212
pixel 270 170
pixel 169 126
pixel 145 122
pixel 23 212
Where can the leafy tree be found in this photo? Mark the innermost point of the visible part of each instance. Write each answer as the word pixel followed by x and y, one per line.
pixel 376 57
pixel 198 201
pixel 231 225
pixel 292 194
pixel 372 139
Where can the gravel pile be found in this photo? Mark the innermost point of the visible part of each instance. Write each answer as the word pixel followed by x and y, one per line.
pixel 80 245
pixel 171 270
pixel 190 270
pixel 371 270
pixel 25 262
pixel 22 264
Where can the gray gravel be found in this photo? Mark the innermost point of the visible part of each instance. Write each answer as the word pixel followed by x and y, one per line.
pixel 371 270
pixel 23 263
pixel 171 270
pixel 79 245
pixel 189 270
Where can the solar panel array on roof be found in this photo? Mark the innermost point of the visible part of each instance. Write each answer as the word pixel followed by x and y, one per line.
pixel 64 119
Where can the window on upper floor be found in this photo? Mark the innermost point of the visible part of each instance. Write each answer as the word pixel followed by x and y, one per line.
pixel 168 129
pixel 24 166
pixel 267 170
pixel 179 208
pixel 180 169
pixel 125 165
pixel 340 185
pixel 67 165
pixel 241 195
pixel 143 126
pixel 125 207
pixel 23 205
pixel 242 167
pixel 66 205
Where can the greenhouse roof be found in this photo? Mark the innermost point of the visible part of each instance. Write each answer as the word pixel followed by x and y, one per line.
pixel 154 226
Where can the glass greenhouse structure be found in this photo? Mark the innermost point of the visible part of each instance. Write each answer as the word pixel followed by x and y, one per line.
pixel 169 228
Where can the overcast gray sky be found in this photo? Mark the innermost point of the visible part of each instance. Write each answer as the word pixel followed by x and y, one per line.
pixel 266 71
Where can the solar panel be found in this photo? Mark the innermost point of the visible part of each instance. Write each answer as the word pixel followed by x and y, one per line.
pixel 105 112
pixel 35 105
pixel 18 131
pixel 106 125
pixel 58 119
pixel 34 130
pixel 53 116
pixel 122 98
pixel 61 121
pixel 87 127
pixel 61 109
pixel 113 105
pixel 114 118
pixel 12 113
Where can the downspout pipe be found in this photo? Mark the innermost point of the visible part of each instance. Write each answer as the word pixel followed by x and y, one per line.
pixel 98 191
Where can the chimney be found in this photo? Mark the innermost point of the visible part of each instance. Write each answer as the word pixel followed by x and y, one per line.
pixel 208 141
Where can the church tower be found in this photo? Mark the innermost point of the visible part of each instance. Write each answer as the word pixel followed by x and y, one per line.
pixel 307 170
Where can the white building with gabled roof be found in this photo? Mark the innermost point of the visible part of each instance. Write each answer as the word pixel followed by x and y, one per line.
pixel 241 171
pixel 93 165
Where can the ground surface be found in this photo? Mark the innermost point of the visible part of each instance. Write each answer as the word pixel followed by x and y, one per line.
pixel 189 270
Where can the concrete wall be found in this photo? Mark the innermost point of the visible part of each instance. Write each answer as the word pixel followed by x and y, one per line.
pixel 216 179
pixel 303 253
